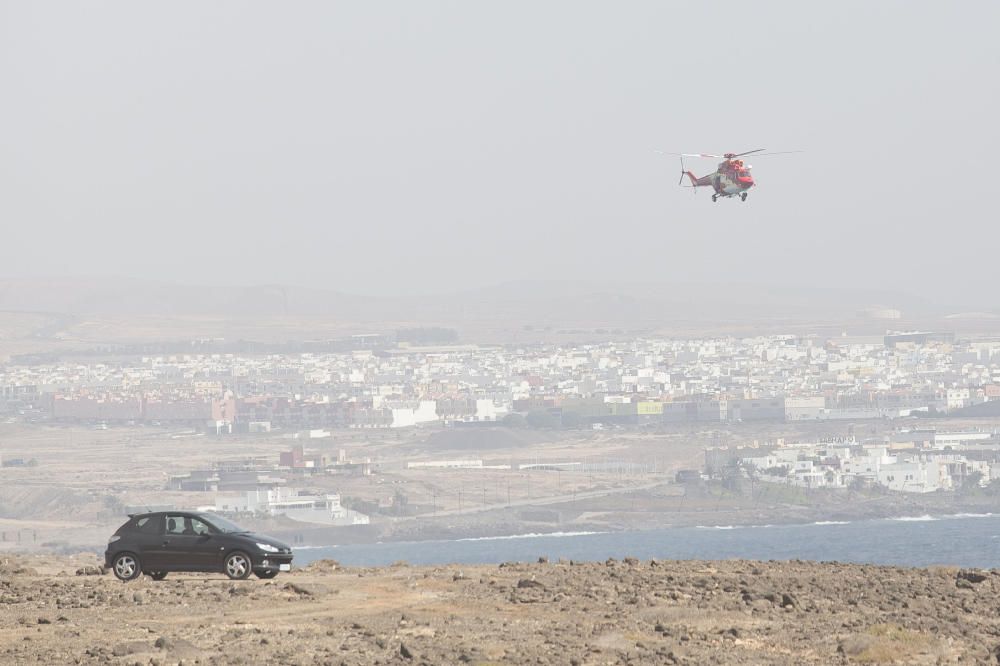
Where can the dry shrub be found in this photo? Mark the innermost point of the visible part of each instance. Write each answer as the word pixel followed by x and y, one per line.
pixel 890 643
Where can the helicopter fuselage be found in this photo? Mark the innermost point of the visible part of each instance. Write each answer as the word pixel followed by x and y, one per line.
pixel 732 178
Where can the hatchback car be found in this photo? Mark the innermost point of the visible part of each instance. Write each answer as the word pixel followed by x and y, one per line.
pixel 165 541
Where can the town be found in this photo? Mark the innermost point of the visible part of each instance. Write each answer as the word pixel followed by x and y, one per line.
pixel 916 461
pixel 638 383
pixel 317 423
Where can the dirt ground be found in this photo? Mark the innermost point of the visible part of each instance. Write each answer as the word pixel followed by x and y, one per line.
pixel 618 612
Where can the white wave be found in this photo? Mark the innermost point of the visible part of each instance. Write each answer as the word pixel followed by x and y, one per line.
pixel 971 515
pixel 532 535
pixel 716 527
pixel 832 522
pixel 915 519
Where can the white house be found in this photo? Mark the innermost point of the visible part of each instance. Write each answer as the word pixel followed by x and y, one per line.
pixel 322 509
pixel 912 477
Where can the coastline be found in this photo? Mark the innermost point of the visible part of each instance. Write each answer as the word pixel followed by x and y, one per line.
pixel 643 511
pixel 503 523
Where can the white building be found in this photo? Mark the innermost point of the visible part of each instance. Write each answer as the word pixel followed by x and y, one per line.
pixel 913 477
pixel 413 413
pixel 321 509
pixel 446 464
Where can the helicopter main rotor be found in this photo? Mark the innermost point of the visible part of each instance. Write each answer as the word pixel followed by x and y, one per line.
pixel 730 156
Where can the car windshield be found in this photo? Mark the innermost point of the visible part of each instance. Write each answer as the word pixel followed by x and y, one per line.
pixel 223 525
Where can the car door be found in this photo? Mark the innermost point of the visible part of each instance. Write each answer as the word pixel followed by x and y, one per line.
pixel 178 543
pixel 206 546
pixel 188 544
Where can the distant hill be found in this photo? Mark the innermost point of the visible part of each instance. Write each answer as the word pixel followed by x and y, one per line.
pixel 650 301
pixel 111 296
pixel 563 302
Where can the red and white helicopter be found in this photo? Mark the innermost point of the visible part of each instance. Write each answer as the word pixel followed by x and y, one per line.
pixel 731 179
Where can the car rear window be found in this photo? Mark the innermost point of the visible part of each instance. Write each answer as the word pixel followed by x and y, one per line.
pixel 147 525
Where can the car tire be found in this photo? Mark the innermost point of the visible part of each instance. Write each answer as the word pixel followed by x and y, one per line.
pixel 266 575
pixel 238 565
pixel 158 575
pixel 126 566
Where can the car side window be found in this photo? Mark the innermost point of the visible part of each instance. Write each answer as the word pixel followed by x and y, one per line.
pixel 199 528
pixel 148 525
pixel 178 525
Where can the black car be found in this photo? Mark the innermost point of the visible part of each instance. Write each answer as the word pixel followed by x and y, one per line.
pixel 157 543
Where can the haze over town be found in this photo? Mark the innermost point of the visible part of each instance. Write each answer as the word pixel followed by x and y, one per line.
pixel 407 295
pixel 390 149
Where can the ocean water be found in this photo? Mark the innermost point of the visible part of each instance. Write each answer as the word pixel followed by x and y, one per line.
pixel 967 540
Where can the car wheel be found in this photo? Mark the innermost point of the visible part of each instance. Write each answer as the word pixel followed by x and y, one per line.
pixel 158 575
pixel 126 566
pixel 238 565
pixel 266 575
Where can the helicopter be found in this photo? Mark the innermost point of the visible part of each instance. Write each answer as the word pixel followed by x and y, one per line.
pixel 731 179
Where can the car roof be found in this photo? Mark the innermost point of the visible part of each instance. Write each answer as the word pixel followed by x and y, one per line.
pixel 178 512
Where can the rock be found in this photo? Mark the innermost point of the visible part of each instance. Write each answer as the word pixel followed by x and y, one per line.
pixel 972 576
pixel 631 561
pixel 964 584
pixel 91 571
pixel 404 652
pixel 132 647
pixel 525 583
pixel 788 601
pixel 298 589
pixel 44 620
pixel 6 570
pixel 324 566
pixel 543 560
pixel 852 646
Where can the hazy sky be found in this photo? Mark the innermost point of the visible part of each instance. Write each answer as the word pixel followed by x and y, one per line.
pixel 425 146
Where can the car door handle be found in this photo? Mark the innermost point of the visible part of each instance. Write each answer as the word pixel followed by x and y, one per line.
pixel 166 543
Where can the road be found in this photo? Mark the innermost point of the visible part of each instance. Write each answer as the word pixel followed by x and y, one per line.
pixel 537 501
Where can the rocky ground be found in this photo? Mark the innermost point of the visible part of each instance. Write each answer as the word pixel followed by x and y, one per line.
pixel 60 610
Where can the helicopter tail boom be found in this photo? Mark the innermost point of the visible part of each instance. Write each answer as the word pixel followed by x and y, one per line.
pixel 704 181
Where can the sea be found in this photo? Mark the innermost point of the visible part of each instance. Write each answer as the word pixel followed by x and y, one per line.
pixel 964 540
